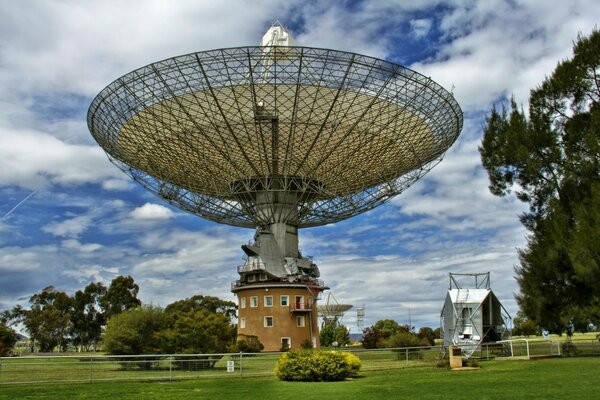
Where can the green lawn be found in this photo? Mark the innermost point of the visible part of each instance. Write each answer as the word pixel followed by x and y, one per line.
pixel 570 378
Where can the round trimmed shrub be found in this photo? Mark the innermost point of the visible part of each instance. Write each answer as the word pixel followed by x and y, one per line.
pixel 316 366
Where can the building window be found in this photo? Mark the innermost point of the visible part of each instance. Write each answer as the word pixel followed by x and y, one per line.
pixel 254 301
pixel 243 302
pixel 286 343
pixel 268 322
pixel 300 321
pixel 263 277
pixel 251 278
pixel 268 301
pixel 284 301
pixel 242 323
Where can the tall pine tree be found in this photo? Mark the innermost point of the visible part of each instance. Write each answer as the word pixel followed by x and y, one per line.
pixel 551 160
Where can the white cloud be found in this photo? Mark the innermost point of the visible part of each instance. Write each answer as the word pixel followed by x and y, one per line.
pixel 24 260
pixel 499 48
pixel 180 251
pixel 152 212
pixel 33 159
pixel 82 247
pixel 116 184
pixel 72 227
pixel 86 274
pixel 420 27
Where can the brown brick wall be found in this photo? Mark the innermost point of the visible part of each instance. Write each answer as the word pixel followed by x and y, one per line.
pixel 284 319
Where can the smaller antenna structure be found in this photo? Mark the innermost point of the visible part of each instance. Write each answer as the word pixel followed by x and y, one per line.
pixel 472 314
pixel 360 318
pixel 332 311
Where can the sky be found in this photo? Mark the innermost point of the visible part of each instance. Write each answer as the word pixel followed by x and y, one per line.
pixel 83 220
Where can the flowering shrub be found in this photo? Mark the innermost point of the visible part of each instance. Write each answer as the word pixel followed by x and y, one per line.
pixel 315 366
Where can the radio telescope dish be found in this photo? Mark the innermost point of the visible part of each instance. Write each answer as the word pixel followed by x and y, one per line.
pixel 332 312
pixel 248 136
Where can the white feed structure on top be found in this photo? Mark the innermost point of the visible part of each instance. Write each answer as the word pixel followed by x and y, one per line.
pixel 277 36
pixel 472 316
pixel 332 312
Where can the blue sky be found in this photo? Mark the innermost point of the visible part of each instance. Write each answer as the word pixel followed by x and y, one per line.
pixel 87 221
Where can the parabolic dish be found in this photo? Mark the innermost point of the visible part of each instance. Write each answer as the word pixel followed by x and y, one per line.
pixel 211 131
pixel 333 310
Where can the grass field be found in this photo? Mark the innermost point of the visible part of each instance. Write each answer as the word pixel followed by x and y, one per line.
pixel 570 378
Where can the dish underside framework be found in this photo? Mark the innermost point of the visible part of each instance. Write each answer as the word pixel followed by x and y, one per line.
pixel 263 135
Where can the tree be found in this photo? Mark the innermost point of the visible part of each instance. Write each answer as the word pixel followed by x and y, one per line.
pixel 523 326
pixel 427 335
pixel 377 336
pixel 87 319
pixel 334 332
pixel 209 303
pixel 8 338
pixel 387 327
pixel 148 329
pixel 248 344
pixel 551 159
pixel 342 335
pixel 48 319
pixel 120 296
pixel 404 338
pixel 135 331
pixel 196 332
pixel 372 338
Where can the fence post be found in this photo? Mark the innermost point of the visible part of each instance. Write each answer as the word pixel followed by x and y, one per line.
pixel 91 370
pixel 406 355
pixel 171 369
pixel 241 373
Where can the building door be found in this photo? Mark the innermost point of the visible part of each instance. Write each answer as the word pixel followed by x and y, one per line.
pixel 299 302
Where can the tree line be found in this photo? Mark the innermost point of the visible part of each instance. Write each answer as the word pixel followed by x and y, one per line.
pixel 56 320
pixel 116 318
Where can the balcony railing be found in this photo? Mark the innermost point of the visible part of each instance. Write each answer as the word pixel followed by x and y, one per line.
pixel 249 267
pixel 301 307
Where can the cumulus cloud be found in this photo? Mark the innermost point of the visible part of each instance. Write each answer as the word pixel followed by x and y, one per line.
pixel 150 212
pixel 33 159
